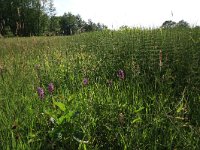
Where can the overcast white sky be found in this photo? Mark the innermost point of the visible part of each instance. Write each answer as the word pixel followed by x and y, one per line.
pixel 141 13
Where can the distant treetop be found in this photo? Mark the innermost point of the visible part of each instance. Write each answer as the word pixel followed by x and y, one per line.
pixel 172 24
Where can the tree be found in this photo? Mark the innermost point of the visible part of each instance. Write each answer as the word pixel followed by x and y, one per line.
pixel 55 25
pixel 80 24
pixel 90 26
pixel 101 27
pixel 37 17
pixel 68 24
pixel 172 24
pixel 25 17
pixel 197 27
pixel 182 24
pixel 168 24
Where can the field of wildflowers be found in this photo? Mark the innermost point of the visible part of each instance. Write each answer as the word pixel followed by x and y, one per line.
pixel 130 89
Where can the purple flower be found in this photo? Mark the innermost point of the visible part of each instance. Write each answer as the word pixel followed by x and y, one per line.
pixel 121 74
pixel 40 92
pixel 85 81
pixel 51 88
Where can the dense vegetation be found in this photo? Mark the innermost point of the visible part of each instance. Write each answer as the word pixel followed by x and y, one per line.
pixel 38 17
pixel 130 89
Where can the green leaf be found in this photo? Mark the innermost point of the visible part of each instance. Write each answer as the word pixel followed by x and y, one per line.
pixel 84 146
pixel 136 120
pixel 50 114
pixel 66 117
pixel 179 108
pixel 60 105
pixel 140 109
pixel 60 120
pixel 69 115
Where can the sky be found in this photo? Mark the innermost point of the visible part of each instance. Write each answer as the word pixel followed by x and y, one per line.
pixel 133 13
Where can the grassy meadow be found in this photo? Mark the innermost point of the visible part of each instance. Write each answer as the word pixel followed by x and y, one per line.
pixel 129 89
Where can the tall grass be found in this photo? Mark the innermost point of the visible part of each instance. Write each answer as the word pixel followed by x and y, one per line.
pixel 155 105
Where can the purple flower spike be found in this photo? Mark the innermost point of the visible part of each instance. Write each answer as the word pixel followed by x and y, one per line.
pixel 51 88
pixel 40 92
pixel 85 81
pixel 121 74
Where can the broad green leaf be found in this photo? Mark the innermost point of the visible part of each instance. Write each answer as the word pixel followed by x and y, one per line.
pixel 60 120
pixel 60 105
pixel 69 115
pixel 66 117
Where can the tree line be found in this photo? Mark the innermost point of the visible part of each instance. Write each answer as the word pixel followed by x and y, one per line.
pixel 181 24
pixel 173 24
pixel 38 17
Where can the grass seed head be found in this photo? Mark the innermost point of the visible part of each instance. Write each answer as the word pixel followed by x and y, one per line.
pixel 37 67
pixel 121 119
pixel 50 88
pixel 109 82
pixel 1 68
pixel 160 59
